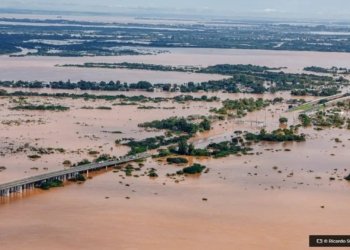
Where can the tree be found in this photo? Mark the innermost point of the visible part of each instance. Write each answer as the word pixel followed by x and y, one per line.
pixel 283 120
pixel 205 124
pixel 191 149
pixel 182 147
pixel 262 132
pixel 305 120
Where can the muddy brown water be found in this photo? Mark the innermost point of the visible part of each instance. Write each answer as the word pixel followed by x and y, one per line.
pixel 250 205
pixel 269 201
pixel 44 68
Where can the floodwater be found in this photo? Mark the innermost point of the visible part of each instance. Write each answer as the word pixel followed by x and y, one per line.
pixel 78 130
pixel 250 205
pixel 44 68
pixel 273 200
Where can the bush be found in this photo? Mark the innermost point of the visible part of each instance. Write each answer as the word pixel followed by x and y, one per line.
pixel 104 157
pixel 283 120
pixel 41 107
pixel 152 143
pixel 177 160
pixel 279 135
pixel 51 184
pixel 163 152
pixel 83 162
pixel 194 169
pixel 152 173
pixel 34 157
pixel 305 120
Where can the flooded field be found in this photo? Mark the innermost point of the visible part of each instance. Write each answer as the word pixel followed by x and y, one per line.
pixel 77 130
pixel 239 206
pixel 44 68
pixel 247 202
pixel 282 192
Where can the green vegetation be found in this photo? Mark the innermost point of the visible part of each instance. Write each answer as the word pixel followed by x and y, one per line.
pixel 103 157
pixel 85 96
pixel 242 106
pixel 87 107
pixel 189 98
pixel 347 178
pixel 217 150
pixel 125 100
pixel 163 153
pixel 305 120
pixel 128 170
pixel 126 65
pixel 37 152
pixel 283 120
pixel 194 169
pixel 176 124
pixel 177 160
pixel 151 143
pixel 93 152
pixel 112 132
pixel 205 125
pixel 183 147
pixel 231 69
pixel 226 148
pixel 41 107
pixel 147 107
pixel 34 157
pixel 328 118
pixel 152 173
pixel 50 184
pixel 332 70
pixel 67 163
pixel 279 135
pixel 81 163
pixel 224 69
pixel 259 81
pixel 104 108
pixel 242 78
pixel 245 78
pixel 323 91
pixel 303 107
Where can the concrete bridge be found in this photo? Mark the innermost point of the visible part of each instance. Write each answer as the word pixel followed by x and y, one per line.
pixel 328 100
pixel 19 186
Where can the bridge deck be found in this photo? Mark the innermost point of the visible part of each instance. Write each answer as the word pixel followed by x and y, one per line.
pixel 74 170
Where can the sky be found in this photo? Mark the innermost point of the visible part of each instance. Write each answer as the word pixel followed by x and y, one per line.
pixel 298 9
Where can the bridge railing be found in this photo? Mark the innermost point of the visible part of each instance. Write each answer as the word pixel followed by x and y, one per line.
pixel 77 169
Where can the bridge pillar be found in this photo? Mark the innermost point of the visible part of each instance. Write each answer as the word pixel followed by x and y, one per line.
pixel 5 192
